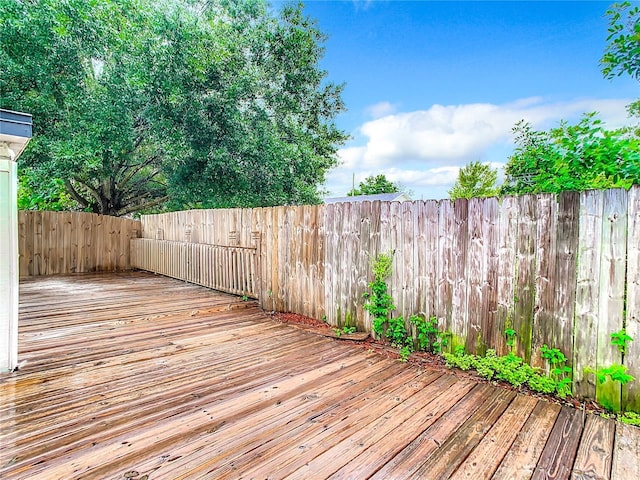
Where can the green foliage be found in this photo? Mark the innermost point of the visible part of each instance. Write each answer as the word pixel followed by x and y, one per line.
pixel 615 372
pixel 475 180
pixel 346 330
pixel 620 339
pixel 405 353
pixel 396 332
pixel 37 193
pixel 510 333
pixel 382 267
pixel 379 303
pixel 140 104
pixel 572 157
pixel 542 384
pixel 509 368
pixel 559 371
pixel 429 337
pixel 630 418
pixel 622 53
pixel 373 185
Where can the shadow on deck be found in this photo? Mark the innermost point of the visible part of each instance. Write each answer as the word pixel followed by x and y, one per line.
pixel 144 377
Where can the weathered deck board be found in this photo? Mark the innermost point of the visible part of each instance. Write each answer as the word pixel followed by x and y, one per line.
pixel 143 374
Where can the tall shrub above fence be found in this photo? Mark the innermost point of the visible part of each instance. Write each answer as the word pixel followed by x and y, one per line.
pixel 54 243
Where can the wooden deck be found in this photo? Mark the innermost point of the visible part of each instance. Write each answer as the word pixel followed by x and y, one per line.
pixel 143 377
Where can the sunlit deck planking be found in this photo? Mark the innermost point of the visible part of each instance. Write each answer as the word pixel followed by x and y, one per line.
pixel 139 374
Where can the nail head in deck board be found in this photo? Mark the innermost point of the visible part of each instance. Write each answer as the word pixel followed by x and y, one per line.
pixel 559 453
pixel 593 460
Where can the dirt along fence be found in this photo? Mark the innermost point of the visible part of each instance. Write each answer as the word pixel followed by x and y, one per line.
pixel 558 270
pixel 58 243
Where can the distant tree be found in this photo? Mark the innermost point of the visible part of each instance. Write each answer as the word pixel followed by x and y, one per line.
pixel 373 185
pixel 572 157
pixel 475 180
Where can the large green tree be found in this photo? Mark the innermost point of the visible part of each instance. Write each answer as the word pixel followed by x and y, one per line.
pixel 475 180
pixel 572 157
pixel 139 104
pixel 374 184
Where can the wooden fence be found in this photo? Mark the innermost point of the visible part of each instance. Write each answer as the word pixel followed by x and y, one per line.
pixel 228 269
pixel 562 271
pixel 56 243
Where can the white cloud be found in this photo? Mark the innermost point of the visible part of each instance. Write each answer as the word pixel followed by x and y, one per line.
pixel 381 109
pixel 454 133
pixel 424 149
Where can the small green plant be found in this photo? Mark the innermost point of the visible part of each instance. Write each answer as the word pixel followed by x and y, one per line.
pixel 621 340
pixel 509 368
pixel 324 318
pixel 245 298
pixel 397 332
pixel 459 358
pixel 559 371
pixel 405 353
pixel 346 330
pixel 630 418
pixel 429 337
pixel 379 303
pixel 510 333
pixel 615 372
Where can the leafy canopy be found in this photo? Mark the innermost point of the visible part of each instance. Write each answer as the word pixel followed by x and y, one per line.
pixel 622 54
pixel 374 184
pixel 141 104
pixel 572 157
pixel 475 180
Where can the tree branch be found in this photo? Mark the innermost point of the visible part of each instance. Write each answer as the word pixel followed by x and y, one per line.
pixel 74 193
pixel 140 206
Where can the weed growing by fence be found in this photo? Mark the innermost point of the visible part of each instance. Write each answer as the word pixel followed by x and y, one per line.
pixel 614 372
pixel 509 368
pixel 378 302
pixel 560 372
pixel 429 337
pixel 621 339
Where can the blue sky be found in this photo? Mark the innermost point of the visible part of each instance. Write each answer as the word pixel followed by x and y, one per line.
pixel 431 86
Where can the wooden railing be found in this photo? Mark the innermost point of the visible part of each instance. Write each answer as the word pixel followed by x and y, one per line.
pixel 225 268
